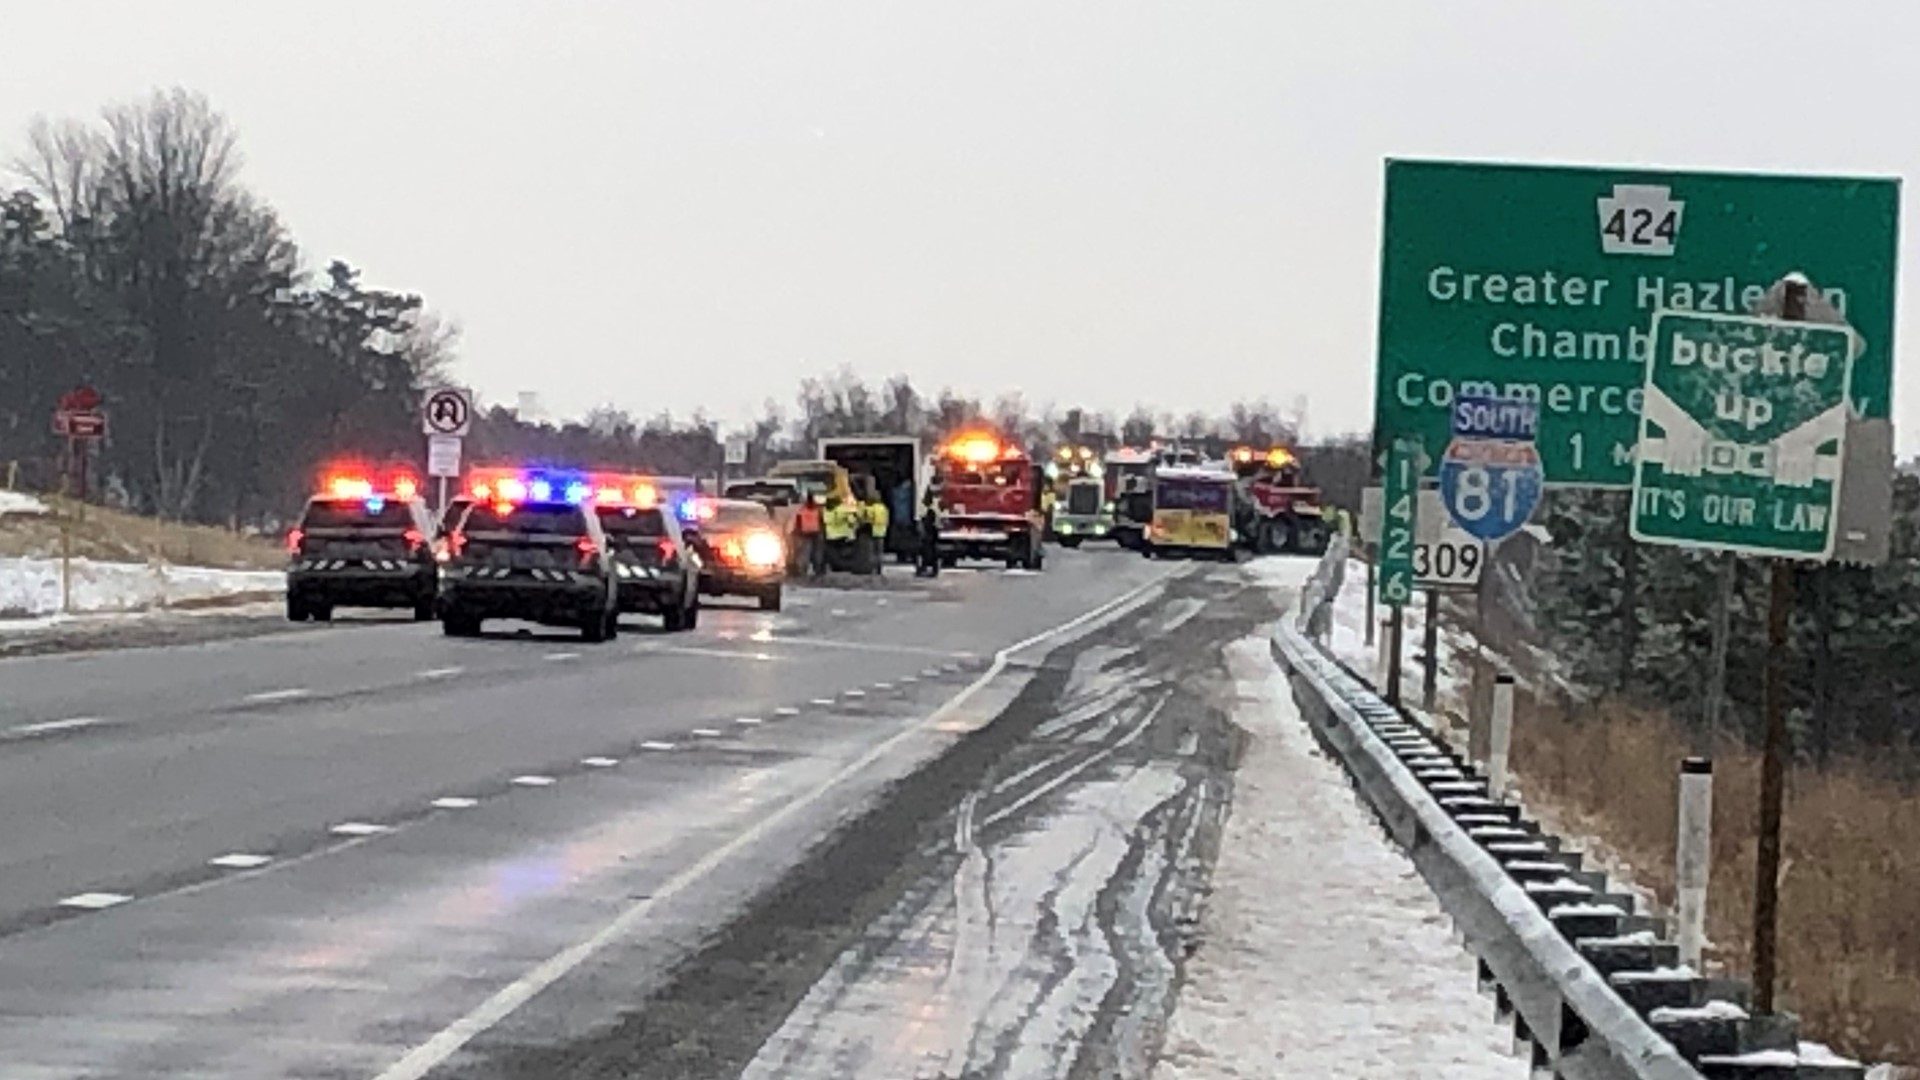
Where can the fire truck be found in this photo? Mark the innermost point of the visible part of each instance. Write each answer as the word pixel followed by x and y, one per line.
pixel 989 502
pixel 1286 514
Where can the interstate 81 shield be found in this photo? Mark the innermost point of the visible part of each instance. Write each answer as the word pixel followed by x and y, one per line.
pixel 1490 486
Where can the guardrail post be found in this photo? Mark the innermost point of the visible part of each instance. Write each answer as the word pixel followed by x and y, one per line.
pixel 1500 736
pixel 1694 857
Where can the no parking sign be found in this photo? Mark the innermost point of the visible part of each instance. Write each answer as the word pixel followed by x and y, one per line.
pixel 1490 474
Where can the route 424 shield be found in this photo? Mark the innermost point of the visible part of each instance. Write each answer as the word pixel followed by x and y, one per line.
pixel 1490 486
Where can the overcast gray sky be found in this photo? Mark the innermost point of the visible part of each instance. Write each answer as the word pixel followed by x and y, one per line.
pixel 666 205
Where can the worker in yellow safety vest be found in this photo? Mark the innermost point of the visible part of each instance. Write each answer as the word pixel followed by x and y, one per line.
pixel 878 519
pixel 842 527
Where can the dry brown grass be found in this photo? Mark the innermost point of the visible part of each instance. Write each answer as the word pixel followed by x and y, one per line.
pixel 114 536
pixel 1850 889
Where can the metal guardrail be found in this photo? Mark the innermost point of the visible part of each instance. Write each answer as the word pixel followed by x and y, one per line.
pixel 1588 983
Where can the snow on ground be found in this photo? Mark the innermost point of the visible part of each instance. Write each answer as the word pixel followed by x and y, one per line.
pixel 19 502
pixel 30 588
pixel 1348 638
pixel 1325 955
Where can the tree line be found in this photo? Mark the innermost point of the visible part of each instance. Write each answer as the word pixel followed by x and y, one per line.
pixel 1637 620
pixel 134 260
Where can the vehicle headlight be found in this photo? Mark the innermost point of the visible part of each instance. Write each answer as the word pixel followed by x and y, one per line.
pixel 764 549
pixel 1065 527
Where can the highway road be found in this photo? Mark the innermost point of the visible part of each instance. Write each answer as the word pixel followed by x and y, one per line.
pixel 370 851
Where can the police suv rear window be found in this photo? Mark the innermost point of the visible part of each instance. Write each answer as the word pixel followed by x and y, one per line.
pixel 357 514
pixel 632 521
pixel 532 519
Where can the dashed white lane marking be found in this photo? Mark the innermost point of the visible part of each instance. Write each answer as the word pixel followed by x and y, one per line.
pixel 748 721
pixel 651 745
pixel 706 733
pixel 823 701
pixel 94 901
pixel 599 762
pixel 47 727
pixel 532 781
pixel 563 656
pixel 441 672
pixel 930 672
pixel 840 613
pixel 358 828
pixel 695 650
pixel 288 694
pixel 855 693
pixel 454 802
pixel 786 710
pixel 240 861
pixel 909 680
pixel 423 1058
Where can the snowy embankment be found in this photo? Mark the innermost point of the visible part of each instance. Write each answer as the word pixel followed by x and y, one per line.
pixel 30 588
pixel 1325 956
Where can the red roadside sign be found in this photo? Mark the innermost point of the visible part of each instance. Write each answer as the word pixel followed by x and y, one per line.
pixel 79 425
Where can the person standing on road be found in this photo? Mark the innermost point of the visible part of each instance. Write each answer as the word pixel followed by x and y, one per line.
pixel 810 553
pixel 929 536
pixel 879 522
pixel 841 526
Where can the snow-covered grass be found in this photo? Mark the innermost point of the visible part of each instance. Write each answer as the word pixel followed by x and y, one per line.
pixel 21 503
pixel 1325 956
pixel 30 588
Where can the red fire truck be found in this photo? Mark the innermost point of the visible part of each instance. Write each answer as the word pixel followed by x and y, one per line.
pixel 989 502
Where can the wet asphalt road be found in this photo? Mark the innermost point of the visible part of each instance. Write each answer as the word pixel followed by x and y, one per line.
pixel 601 812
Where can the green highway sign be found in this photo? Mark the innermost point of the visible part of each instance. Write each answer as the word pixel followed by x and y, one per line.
pixel 1515 280
pixel 1398 535
pixel 1743 435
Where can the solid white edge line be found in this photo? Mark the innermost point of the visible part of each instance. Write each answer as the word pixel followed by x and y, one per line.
pixel 422 1059
pixel 47 727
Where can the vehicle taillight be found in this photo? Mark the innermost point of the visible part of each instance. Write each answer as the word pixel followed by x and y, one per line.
pixel 587 549
pixel 452 545
pixel 666 549
pixel 414 538
pixel 295 538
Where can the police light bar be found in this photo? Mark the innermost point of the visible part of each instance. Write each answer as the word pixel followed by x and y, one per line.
pixel 363 484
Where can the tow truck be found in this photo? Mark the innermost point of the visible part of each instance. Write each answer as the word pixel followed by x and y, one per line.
pixel 989 503
pixel 1285 514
